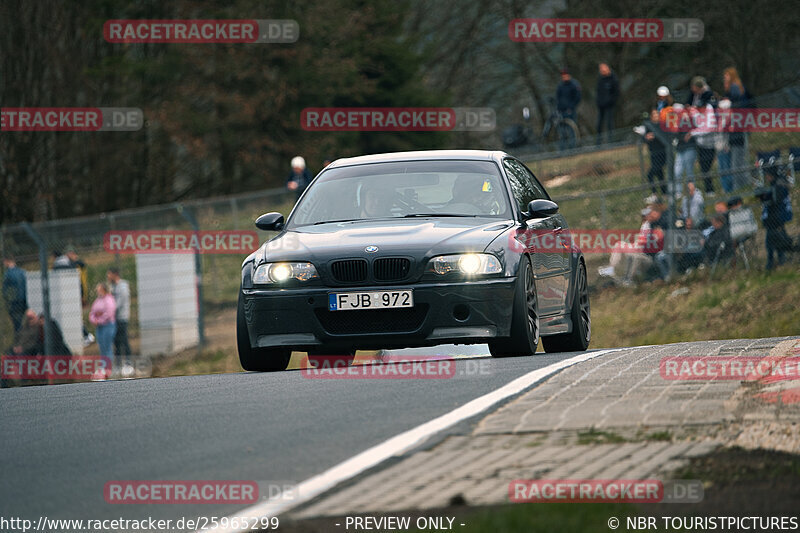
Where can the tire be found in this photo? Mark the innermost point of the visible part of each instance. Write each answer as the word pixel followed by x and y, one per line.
pixel 524 319
pixel 257 359
pixel 568 132
pixel 578 339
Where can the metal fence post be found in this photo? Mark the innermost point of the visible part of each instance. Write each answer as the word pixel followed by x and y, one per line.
pixel 603 211
pixel 640 146
pixel 48 340
pixel 198 272
pixel 235 213
pixel 672 198
pixel 112 226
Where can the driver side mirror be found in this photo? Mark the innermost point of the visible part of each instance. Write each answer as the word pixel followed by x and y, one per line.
pixel 541 208
pixel 270 222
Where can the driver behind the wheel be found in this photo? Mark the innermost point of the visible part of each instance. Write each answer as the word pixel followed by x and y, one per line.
pixel 376 202
pixel 470 189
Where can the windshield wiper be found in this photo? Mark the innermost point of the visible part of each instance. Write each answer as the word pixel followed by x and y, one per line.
pixel 336 221
pixel 411 215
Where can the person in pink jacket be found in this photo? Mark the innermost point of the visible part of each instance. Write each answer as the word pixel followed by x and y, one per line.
pixel 102 315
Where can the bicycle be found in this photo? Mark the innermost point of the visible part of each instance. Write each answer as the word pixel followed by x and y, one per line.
pixel 557 127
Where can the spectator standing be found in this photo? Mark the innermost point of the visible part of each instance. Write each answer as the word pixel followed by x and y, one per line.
pixel 568 95
pixel 702 99
pixel 664 100
pixel 70 260
pixel 723 147
pixel 739 98
pixel 60 260
pixel 78 264
pixel 685 154
pixel 705 136
pixel 700 95
pixel 121 291
pixel 299 177
pixel 693 205
pixel 15 292
pixel 776 212
pixel 606 99
pixel 656 140
pixel 103 316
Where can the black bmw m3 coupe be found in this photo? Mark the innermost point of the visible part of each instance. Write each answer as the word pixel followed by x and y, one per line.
pixel 414 249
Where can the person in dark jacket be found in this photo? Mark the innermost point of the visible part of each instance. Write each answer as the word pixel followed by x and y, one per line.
pixel 58 346
pixel 568 95
pixel 656 139
pixel 299 177
pixel 27 340
pixel 774 198
pixel 737 94
pixel 15 293
pixel 718 245
pixel 607 96
pixel 700 95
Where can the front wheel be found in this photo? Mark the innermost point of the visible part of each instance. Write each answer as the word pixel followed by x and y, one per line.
pixel 257 359
pixel 524 319
pixel 568 133
pixel 578 339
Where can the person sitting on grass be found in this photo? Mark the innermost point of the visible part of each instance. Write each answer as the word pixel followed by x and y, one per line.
pixel 718 245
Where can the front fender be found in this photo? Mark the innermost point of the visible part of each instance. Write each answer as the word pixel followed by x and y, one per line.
pixel 247 271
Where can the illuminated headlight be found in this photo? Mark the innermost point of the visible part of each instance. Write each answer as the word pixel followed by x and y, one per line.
pixel 272 273
pixel 469 264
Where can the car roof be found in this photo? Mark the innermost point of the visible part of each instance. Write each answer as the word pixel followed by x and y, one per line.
pixel 422 155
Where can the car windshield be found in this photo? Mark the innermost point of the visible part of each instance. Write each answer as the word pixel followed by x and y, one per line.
pixel 403 189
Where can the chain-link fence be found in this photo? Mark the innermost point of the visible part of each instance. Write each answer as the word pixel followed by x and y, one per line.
pixel 609 189
pixel 185 300
pixel 172 296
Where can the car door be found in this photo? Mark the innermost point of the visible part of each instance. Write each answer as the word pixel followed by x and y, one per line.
pixel 561 259
pixel 539 234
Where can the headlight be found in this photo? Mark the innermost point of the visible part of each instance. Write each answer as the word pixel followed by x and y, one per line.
pixel 272 273
pixel 469 264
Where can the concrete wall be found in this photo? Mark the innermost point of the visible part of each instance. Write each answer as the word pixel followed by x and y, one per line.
pixel 167 295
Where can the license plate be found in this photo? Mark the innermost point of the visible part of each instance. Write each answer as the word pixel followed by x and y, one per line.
pixel 344 301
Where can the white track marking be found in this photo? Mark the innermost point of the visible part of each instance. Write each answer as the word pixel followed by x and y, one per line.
pixel 397 445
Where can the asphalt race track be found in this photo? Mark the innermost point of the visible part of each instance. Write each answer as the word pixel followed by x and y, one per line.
pixel 63 443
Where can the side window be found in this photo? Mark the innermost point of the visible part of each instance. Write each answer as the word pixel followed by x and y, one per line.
pixel 538 190
pixel 522 184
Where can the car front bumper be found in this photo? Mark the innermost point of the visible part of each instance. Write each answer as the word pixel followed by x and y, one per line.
pixel 444 313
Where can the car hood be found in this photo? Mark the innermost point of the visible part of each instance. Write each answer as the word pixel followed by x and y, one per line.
pixel 418 238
